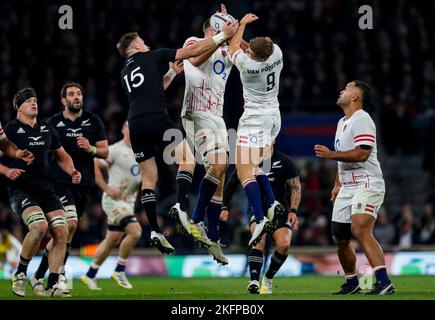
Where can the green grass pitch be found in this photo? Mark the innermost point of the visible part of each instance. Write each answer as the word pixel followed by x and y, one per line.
pixel 288 288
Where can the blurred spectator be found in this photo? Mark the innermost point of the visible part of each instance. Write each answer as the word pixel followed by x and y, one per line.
pixel 384 231
pixel 407 227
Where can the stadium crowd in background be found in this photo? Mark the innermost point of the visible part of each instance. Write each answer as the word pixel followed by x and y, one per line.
pixel 396 57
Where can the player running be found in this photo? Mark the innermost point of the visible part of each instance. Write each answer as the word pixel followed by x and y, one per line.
pixel 283 178
pixel 259 68
pixel 32 195
pixel 83 136
pixel 118 202
pixel 148 117
pixel 359 188
pixel 206 77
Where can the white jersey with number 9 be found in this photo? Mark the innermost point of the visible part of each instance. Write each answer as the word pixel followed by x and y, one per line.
pixel 260 81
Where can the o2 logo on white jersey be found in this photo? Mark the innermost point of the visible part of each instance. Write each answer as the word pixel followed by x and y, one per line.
pixel 135 170
pixel 219 68
pixel 337 145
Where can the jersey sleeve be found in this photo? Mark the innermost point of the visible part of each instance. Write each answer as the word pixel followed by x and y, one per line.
pixel 364 132
pixel 100 130
pixel 239 59
pixel 190 41
pixel 55 138
pixel 2 133
pixel 292 171
pixel 166 55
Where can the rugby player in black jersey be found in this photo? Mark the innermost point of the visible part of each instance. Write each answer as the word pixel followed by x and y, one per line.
pixel 83 136
pixel 32 194
pixel 143 82
pixel 284 179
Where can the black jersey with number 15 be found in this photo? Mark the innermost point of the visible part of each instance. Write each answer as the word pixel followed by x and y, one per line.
pixel 142 81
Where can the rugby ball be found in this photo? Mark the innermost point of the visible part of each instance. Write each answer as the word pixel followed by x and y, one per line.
pixel 218 20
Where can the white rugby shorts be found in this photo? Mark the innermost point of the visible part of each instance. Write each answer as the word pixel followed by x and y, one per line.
pixel 352 201
pixel 258 131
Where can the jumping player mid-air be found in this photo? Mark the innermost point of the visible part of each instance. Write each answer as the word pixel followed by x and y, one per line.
pixel 148 117
pixel 206 77
pixel 260 68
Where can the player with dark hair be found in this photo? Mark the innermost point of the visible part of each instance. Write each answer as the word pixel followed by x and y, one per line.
pixel 83 136
pixel 148 118
pixel 359 189
pixel 32 195
pixel 286 185
pixel 260 68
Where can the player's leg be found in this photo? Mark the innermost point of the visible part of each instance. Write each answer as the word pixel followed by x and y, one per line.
pixel 133 232
pixel 208 133
pixel 144 137
pixel 282 237
pixel 341 233
pixel 59 230
pixel 247 160
pixel 186 160
pixel 71 215
pixel 213 214
pixel 110 242
pixel 35 220
pixel 148 199
pixel 218 164
pixel 73 207
pixel 275 209
pixel 364 213
pixel 185 170
pixel 255 261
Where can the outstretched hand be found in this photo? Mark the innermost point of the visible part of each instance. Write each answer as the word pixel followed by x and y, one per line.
pixel 249 18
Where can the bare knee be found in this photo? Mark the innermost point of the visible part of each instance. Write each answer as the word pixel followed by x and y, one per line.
pixel 135 231
pixel 60 234
pixel 218 170
pixel 360 232
pixel 283 247
pixel 38 230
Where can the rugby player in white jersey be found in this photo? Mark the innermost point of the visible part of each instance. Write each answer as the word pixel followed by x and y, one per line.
pixel 118 202
pixel 359 188
pixel 206 77
pixel 259 68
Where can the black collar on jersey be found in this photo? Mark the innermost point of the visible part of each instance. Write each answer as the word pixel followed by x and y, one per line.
pixel 23 97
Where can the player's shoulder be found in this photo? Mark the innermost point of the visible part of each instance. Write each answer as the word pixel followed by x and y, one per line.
pixel 90 115
pixel 56 117
pixel 11 124
pixel 363 115
pixel 277 49
pixel 284 157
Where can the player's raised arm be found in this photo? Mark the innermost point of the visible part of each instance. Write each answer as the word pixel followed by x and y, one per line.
pixel 236 40
pixel 202 46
